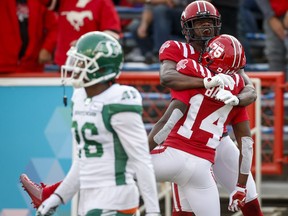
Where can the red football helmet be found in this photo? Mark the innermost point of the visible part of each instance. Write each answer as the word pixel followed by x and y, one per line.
pixel 224 54
pixel 197 11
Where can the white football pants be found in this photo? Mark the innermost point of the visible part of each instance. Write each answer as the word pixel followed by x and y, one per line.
pixel 193 175
pixel 226 174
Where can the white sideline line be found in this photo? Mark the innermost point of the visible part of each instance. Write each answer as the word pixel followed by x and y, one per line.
pixel 43 81
pixel 55 81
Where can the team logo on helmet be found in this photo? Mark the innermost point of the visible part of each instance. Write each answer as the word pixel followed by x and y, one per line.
pixel 96 58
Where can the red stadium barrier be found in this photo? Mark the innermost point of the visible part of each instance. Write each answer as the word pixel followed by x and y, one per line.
pixel 156 99
pixel 272 114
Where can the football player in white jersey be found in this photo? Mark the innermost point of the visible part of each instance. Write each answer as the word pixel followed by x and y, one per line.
pixel 109 134
pixel 200 22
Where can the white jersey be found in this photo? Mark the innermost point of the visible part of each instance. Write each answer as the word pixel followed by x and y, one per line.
pixel 112 146
pixel 99 148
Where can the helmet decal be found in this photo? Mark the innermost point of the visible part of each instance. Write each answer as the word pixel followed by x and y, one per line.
pixel 224 54
pixel 97 57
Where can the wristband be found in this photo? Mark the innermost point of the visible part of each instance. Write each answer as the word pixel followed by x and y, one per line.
pixel 241 186
pixel 61 199
pixel 238 99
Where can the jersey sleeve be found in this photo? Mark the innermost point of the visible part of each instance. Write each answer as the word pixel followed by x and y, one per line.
pixel 240 115
pixel 239 84
pixel 71 183
pixel 190 67
pixel 183 96
pixel 170 50
pixel 132 134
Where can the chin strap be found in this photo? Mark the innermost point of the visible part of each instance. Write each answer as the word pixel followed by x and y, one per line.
pixel 64 94
pixel 204 45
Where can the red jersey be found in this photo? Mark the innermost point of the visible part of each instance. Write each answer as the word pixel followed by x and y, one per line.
pixel 199 131
pixel 175 51
pixel 42 34
pixel 79 17
pixel 279 7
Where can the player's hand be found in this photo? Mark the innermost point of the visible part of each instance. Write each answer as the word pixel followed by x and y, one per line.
pixel 227 97
pixel 219 80
pixel 237 198
pixel 48 207
pixel 227 80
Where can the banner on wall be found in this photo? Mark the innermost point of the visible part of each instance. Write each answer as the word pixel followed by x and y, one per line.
pixel 35 139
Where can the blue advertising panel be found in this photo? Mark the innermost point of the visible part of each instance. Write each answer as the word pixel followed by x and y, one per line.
pixel 35 139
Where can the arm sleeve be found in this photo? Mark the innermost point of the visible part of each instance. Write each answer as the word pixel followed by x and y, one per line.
pixel 71 183
pixel 131 131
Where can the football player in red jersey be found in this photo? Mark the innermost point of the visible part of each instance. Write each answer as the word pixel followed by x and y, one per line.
pixel 200 22
pixel 193 125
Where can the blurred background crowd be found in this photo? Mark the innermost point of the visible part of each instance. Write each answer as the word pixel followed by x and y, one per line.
pixel 36 34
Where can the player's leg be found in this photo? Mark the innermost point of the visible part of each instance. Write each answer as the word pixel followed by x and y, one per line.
pixel 181 206
pixel 192 174
pixel 201 189
pixel 226 173
pixel 37 193
pixel 167 163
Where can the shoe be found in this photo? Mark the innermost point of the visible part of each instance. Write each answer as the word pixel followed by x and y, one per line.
pixel 34 190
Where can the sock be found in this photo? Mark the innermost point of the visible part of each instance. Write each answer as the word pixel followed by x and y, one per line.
pixel 252 208
pixel 48 190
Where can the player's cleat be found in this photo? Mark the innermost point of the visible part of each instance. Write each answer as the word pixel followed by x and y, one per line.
pixel 34 190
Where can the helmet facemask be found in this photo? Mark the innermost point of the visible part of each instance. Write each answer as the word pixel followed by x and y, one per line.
pixel 93 64
pixel 204 12
pixel 190 30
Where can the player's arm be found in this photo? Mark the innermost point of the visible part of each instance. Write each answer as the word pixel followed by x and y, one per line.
pixel 171 78
pixel 248 94
pixel 190 75
pixel 163 127
pixel 245 145
pixel 244 98
pixel 64 192
pixel 132 134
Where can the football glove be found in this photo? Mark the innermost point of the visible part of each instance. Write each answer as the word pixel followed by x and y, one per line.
pixel 237 198
pixel 227 97
pixel 219 80
pixel 48 207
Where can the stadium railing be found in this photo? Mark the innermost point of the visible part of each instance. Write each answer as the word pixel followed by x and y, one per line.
pixel 156 98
